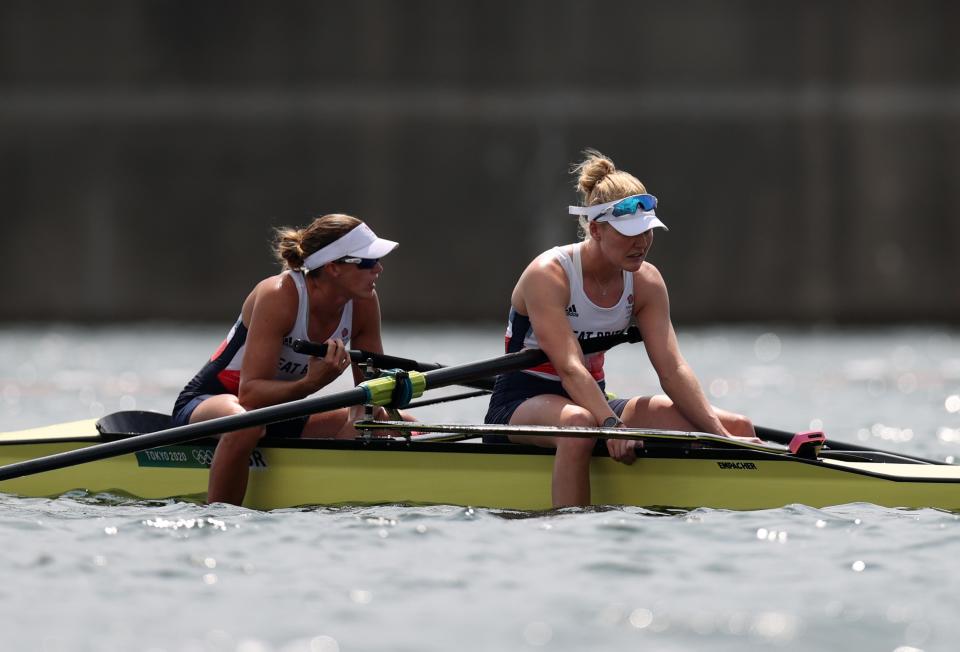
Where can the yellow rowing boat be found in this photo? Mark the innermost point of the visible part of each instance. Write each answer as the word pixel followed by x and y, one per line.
pixel 683 470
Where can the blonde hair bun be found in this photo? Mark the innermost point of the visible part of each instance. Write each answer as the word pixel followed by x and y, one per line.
pixel 592 170
pixel 599 180
pixel 291 246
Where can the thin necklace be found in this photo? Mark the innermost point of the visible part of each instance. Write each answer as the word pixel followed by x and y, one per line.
pixel 603 288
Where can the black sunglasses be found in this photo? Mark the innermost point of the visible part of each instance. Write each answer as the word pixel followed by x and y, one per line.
pixel 361 263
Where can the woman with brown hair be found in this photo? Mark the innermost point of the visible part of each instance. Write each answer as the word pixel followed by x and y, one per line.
pixel 596 287
pixel 326 293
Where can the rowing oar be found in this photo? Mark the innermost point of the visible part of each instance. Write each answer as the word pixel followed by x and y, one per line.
pixel 447 399
pixel 784 437
pixel 383 361
pixel 378 391
pixel 803 445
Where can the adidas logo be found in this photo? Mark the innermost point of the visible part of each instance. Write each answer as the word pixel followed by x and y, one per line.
pixel 572 310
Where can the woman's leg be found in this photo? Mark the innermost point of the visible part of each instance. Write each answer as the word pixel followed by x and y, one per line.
pixel 231 460
pixel 571 467
pixel 334 424
pixel 338 424
pixel 659 412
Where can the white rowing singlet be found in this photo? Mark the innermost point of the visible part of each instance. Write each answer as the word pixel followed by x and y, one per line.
pixel 291 365
pixel 587 320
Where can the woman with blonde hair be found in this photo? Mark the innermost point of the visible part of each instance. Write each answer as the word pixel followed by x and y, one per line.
pixel 595 287
pixel 326 293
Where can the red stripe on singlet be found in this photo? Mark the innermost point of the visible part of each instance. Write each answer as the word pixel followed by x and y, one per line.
pixel 594 365
pixel 230 379
pixel 223 345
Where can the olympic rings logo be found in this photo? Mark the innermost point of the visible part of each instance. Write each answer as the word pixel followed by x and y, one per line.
pixel 203 456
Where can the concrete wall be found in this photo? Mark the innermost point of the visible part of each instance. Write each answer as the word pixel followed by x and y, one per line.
pixel 805 154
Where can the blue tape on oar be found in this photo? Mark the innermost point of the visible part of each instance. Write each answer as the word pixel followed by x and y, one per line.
pixel 402 392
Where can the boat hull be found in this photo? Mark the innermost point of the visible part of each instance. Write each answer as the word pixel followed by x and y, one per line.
pixel 289 473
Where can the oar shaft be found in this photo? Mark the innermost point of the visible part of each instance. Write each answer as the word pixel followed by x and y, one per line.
pixel 383 361
pixel 358 395
pixel 447 399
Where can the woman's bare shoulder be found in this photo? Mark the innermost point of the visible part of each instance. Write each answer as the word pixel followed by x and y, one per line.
pixel 276 293
pixel 649 275
pixel 277 286
pixel 544 280
pixel 546 266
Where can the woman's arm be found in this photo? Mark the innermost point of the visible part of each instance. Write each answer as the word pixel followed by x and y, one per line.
pixel 272 316
pixel 544 291
pixel 366 330
pixel 676 377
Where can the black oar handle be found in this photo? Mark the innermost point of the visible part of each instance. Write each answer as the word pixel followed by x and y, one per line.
pixel 379 360
pixel 318 350
pixel 528 358
pixel 382 361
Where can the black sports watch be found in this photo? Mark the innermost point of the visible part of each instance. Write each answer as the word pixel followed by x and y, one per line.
pixel 612 422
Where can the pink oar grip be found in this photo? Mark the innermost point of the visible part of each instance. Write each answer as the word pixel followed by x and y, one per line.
pixel 811 438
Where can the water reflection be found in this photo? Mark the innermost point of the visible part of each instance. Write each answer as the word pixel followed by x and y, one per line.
pixel 952 403
pixel 537 633
pixel 885 433
pixel 767 347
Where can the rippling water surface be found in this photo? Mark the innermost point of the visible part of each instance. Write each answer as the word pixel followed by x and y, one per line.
pixel 104 572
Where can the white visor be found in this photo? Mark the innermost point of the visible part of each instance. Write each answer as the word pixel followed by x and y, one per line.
pixel 359 242
pixel 630 224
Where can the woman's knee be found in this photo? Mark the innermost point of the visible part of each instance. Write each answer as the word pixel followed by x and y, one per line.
pixel 215 407
pixel 227 406
pixel 739 425
pixel 574 416
pixel 656 411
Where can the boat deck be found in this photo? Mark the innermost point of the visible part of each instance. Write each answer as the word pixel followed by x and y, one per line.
pixel 294 472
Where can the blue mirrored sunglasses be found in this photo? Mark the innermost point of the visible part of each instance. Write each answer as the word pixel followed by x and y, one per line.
pixel 361 263
pixel 630 205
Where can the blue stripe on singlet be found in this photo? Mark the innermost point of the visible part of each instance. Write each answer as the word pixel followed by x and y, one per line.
pixel 519 327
